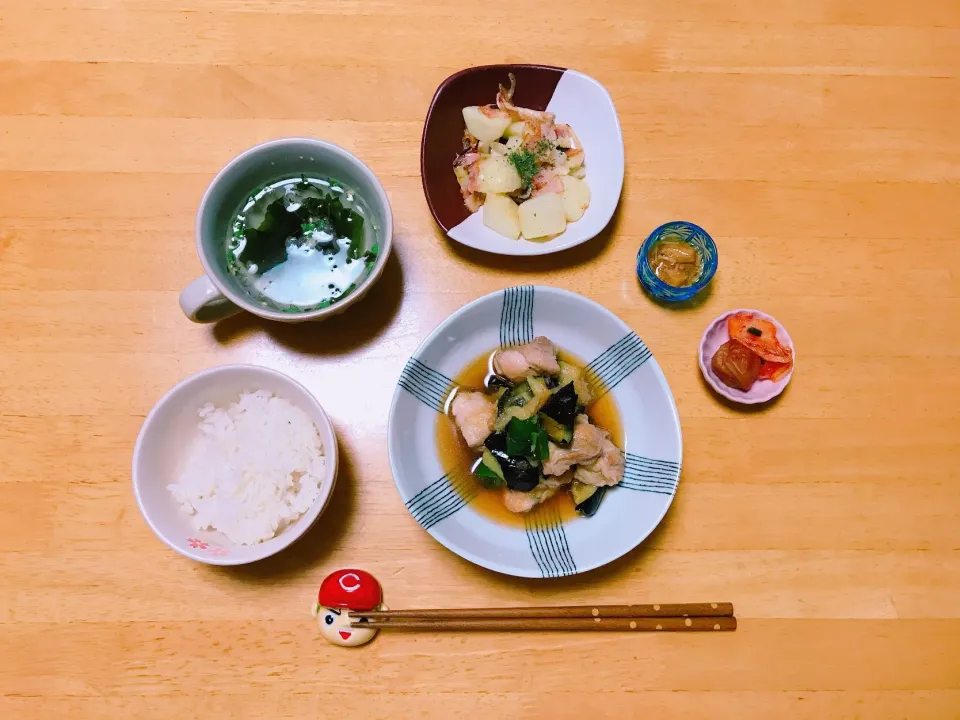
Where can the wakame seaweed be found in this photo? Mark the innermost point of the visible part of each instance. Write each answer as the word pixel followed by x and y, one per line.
pixel 266 245
pixel 298 244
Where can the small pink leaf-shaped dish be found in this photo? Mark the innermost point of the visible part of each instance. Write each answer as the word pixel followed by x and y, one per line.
pixel 762 390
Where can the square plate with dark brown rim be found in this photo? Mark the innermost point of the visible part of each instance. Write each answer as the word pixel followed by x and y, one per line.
pixel 575 98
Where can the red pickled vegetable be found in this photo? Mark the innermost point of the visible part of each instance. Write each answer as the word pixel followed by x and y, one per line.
pixel 774 371
pixel 744 327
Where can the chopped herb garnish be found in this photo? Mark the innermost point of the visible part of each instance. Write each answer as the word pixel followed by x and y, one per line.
pixel 526 165
pixel 755 331
pixel 308 227
pixel 543 146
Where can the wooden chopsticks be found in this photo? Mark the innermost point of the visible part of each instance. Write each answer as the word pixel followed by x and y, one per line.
pixel 667 617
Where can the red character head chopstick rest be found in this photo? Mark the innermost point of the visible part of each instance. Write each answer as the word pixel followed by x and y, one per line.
pixel 340 593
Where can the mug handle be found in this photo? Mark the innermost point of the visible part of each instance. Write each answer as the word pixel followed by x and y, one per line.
pixel 202 302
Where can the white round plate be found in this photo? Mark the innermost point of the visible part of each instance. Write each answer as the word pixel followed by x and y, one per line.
pixel 620 363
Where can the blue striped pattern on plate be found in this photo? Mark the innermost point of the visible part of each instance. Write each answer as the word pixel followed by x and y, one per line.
pixel 516 316
pixel 426 384
pixel 548 543
pixel 647 475
pixel 615 363
pixel 442 498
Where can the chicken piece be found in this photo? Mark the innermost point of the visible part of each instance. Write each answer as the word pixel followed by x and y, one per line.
pixel 605 469
pixel 587 444
pixel 521 502
pixel 533 358
pixel 474 414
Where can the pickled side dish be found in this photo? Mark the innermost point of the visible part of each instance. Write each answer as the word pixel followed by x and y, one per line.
pixel 736 365
pixel 675 261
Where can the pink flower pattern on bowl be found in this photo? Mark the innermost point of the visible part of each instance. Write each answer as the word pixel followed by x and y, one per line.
pixel 716 335
pixel 198 544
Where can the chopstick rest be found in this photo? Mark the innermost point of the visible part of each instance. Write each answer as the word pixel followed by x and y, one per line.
pixel 341 592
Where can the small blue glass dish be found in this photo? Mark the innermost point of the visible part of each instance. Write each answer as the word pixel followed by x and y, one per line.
pixel 695 236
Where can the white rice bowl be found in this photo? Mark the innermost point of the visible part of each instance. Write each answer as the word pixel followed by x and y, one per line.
pixel 254 470
pixel 248 450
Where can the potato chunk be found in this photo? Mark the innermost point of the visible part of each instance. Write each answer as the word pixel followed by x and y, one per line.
pixel 500 214
pixel 482 127
pixel 516 129
pixel 576 197
pixel 542 216
pixel 497 175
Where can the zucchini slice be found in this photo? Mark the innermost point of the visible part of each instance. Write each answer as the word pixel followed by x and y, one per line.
pixel 568 373
pixel 560 434
pixel 517 396
pixel 520 402
pixel 573 374
pixel 538 386
pixel 491 462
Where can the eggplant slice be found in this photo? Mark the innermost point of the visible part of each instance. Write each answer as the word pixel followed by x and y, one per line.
pixel 562 405
pixel 496 381
pixel 518 472
pixel 589 507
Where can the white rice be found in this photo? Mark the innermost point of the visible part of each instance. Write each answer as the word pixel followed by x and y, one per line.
pixel 256 468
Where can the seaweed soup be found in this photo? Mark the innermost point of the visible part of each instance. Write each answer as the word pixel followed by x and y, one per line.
pixel 457 458
pixel 301 244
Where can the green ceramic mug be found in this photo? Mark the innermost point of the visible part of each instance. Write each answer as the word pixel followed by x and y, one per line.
pixel 218 294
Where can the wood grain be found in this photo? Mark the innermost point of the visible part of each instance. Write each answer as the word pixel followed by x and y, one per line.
pixel 817 140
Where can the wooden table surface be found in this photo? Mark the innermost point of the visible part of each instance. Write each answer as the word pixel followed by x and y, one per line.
pixel 817 140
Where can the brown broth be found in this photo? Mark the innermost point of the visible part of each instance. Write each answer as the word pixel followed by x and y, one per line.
pixel 456 456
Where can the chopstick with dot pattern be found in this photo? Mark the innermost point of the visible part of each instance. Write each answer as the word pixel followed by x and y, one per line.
pixel 668 617
pixel 666 624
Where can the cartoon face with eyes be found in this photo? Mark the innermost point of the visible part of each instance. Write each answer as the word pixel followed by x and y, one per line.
pixel 340 593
